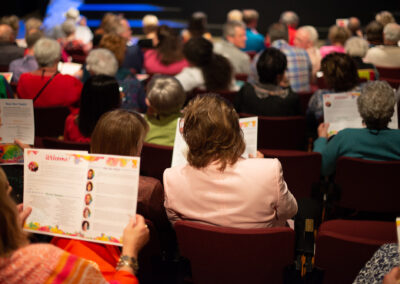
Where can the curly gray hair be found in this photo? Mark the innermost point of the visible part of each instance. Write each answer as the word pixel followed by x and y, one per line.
pixel 47 52
pixel 376 104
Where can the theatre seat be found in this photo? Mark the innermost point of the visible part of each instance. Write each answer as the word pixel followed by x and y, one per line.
pixel 154 160
pixel 390 75
pixel 55 143
pixel 280 132
pixel 301 170
pixel 344 246
pixel 371 186
pixel 228 255
pixel 50 121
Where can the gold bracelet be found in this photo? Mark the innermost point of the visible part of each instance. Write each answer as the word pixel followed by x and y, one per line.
pixel 126 260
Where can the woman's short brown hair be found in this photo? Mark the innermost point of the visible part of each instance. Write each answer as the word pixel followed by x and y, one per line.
pixel 11 235
pixel 119 132
pixel 116 44
pixel 211 130
pixel 340 72
pixel 338 34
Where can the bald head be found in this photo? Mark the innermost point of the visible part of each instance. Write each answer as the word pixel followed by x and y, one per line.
pixel 289 18
pixel 6 33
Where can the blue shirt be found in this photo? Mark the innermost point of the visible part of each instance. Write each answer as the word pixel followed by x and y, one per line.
pixel 299 66
pixel 254 41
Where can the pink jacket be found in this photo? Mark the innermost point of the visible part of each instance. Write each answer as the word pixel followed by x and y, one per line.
pixel 249 194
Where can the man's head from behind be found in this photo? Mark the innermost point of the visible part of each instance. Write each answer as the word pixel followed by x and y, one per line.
pixel 277 31
pixel 235 33
pixel 391 34
pixel 6 33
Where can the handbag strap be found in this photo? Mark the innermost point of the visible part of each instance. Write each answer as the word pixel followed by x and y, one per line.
pixel 44 87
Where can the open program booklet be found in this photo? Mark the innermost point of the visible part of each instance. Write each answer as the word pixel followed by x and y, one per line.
pixel 80 196
pixel 249 126
pixel 341 111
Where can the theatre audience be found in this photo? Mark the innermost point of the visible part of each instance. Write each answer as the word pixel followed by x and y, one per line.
pixel 218 187
pixel 167 58
pixel 357 48
pixel 340 75
pixel 299 67
pixel 28 63
pixel 354 26
pixel 291 20
pixel 374 33
pixel 131 87
pixel 165 98
pixel 375 142
pixel 267 97
pixel 207 70
pixel 73 46
pixel 197 27
pixel 337 37
pixel 387 55
pixel 307 38
pixel 149 25
pixel 100 94
pixel 230 47
pixel 234 15
pixel 8 48
pixel 133 59
pixel 254 40
pixel 41 263
pixel 384 18
pixel 46 86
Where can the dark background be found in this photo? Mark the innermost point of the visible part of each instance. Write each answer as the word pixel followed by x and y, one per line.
pixel 320 14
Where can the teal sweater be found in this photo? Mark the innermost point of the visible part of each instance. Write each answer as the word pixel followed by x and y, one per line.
pixel 383 145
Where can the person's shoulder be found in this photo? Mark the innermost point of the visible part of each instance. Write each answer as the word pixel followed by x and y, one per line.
pixel 41 249
pixel 257 166
pixel 148 182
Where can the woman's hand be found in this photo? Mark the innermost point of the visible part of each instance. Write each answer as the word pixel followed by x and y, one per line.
pixel 393 277
pixel 258 155
pixel 136 235
pixel 23 213
pixel 323 130
pixel 21 144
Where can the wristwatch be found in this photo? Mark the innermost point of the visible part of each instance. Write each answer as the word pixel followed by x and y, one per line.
pixel 126 260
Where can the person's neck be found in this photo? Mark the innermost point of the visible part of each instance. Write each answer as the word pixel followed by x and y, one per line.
pixel 46 71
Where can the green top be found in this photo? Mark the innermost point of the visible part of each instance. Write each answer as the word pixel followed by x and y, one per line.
pixel 383 145
pixel 162 129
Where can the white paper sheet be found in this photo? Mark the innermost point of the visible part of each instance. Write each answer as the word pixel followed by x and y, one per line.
pixel 340 111
pixel 16 117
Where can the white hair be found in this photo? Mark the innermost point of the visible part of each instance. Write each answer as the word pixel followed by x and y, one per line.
pixel 150 20
pixel 312 33
pixel 47 52
pixel 356 46
pixel 234 15
pixel 229 28
pixel 101 61
pixel 391 32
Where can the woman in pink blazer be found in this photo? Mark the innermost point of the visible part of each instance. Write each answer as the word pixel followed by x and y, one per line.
pixel 218 186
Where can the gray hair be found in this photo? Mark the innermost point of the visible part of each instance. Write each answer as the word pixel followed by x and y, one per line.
pixel 250 15
pixel 376 104
pixel 68 27
pixel 234 15
pixel 165 94
pixel 356 46
pixel 47 52
pixel 229 28
pixel 289 18
pixel 278 31
pixel 385 17
pixel 391 32
pixel 101 61
pixel 312 33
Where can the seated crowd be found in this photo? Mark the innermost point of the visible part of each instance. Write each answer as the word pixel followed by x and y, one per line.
pixel 117 112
